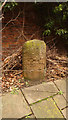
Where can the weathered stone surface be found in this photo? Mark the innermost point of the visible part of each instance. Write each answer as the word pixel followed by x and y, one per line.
pixel 34 59
pixel 40 91
pixel 14 106
pixel 60 101
pixel 46 109
pixel 65 113
pixel 63 86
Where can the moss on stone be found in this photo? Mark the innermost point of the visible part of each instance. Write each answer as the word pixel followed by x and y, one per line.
pixel 34 43
pixel 34 57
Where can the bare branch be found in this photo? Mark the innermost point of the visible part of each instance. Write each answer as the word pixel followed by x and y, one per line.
pixel 3 5
pixel 10 21
pixel 1 17
pixel 33 34
pixel 51 40
pixel 23 16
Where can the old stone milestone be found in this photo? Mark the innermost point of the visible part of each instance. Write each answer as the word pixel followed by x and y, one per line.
pixel 34 59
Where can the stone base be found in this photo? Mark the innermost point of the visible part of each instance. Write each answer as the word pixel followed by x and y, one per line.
pixel 34 75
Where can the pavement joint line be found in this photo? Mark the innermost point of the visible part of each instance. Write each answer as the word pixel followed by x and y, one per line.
pixel 56 85
pixel 64 108
pixel 27 101
pixel 24 116
pixel 43 99
pixel 59 90
pixel 58 107
pixel 37 101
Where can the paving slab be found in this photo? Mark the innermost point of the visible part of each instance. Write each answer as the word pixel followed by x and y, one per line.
pixel 14 106
pixel 65 113
pixel 63 86
pixel 38 92
pixel 60 101
pixel 46 109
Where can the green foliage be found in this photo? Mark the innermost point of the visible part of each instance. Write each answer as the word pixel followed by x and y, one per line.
pixel 58 8
pixel 9 5
pixel 19 80
pixel 56 21
pixel 49 24
pixel 60 92
pixel 61 32
pixel 14 91
pixel 27 116
pixel 55 17
pixel 27 83
pixel 47 32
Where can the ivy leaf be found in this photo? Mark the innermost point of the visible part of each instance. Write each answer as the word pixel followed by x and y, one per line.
pixel 46 32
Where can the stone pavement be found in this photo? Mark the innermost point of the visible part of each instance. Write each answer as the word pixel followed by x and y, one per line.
pixel 46 100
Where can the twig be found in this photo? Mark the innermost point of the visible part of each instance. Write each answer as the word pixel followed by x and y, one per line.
pixel 23 16
pixel 10 21
pixel 52 46
pixel 33 35
pixel 55 63
pixel 18 73
pixel 3 5
pixel 1 16
pixel 11 70
pixel 24 36
pixel 51 40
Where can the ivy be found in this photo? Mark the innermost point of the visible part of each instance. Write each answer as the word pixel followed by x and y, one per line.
pixel 9 5
pixel 61 32
pixel 57 19
pixel 50 24
pixel 46 32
